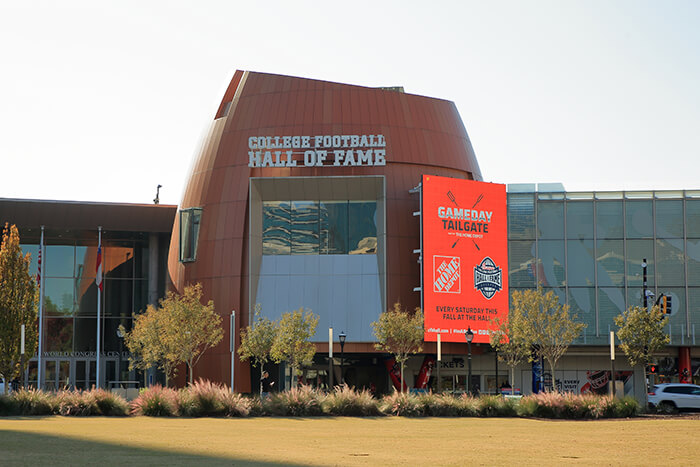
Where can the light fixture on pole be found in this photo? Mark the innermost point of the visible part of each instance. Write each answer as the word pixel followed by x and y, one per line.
pixel 341 338
pixel 232 342
pixel 469 335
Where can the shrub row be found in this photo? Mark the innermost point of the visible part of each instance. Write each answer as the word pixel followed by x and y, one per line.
pixel 206 399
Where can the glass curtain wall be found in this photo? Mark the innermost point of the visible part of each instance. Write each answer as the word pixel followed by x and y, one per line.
pixel 70 296
pixel 588 247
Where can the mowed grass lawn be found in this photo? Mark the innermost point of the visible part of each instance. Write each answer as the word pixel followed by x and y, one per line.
pixel 347 441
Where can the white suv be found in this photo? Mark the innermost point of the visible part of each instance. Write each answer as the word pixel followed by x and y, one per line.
pixel 670 397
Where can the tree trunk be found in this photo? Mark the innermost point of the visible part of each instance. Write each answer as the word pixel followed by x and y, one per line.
pixel 401 382
pixel 512 380
pixel 554 381
pixel 189 366
pixel 262 371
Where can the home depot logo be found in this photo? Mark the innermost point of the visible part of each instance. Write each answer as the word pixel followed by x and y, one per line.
pixel 447 274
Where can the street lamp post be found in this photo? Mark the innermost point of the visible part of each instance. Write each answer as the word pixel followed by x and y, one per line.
pixel 469 336
pixel 341 338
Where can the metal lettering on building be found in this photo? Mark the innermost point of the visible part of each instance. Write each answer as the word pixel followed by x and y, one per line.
pixel 317 151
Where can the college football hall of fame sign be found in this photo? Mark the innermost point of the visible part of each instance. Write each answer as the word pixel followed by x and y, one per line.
pixel 465 257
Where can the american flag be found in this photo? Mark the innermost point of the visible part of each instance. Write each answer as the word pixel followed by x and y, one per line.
pixel 38 272
pixel 98 279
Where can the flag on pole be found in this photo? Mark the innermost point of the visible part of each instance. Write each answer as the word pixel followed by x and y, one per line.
pixel 38 272
pixel 98 279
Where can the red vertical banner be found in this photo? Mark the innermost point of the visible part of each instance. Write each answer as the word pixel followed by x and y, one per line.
pixel 465 257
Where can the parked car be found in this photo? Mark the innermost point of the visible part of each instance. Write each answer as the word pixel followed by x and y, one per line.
pixel 675 396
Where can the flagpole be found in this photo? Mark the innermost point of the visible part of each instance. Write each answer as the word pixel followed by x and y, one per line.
pixel 98 281
pixel 40 361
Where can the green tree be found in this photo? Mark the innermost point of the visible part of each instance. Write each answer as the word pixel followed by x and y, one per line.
pixel 149 343
pixel 179 331
pixel 548 324
pixel 642 334
pixel 257 340
pixel 18 305
pixel 196 327
pixel 292 344
pixel 511 340
pixel 400 333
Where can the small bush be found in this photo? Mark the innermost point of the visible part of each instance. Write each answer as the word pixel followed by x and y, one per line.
pixel 403 405
pixel 303 401
pixel 7 406
pixel 346 401
pixel 33 402
pixel 156 401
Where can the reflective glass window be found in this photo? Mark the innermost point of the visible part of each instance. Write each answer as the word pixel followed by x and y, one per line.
pixel 637 251
pixel 582 302
pixel 86 297
pixel 694 311
pixel 669 218
pixel 550 220
pixel 579 219
pixel 611 303
pixel 670 270
pixel 521 216
pixel 189 233
pixel 119 261
pixel 610 263
pixel 692 217
pixel 277 228
pixel 33 250
pixel 111 340
pixel 634 296
pixel 521 263
pixel 59 296
pixel 362 223
pixel 334 227
pixel 86 261
pixel 639 219
pixel 59 260
pixel 551 256
pixel 692 251
pixel 305 227
pixel 581 263
pixel 609 223
pixel 140 295
pixel 677 318
pixel 58 335
pixel 85 334
pixel 119 297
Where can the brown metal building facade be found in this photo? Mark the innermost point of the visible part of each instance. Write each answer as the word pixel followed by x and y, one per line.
pixel 422 136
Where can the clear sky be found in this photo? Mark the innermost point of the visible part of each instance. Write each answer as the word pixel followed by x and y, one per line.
pixel 104 100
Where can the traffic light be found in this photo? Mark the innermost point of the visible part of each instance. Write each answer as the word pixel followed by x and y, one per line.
pixel 652 369
pixel 664 303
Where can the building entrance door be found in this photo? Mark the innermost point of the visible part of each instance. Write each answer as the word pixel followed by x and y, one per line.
pixel 57 373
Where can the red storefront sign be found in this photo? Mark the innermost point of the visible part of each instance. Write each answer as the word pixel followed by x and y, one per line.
pixel 465 257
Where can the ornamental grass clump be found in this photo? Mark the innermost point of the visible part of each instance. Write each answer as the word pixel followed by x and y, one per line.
pixel 347 401
pixel 74 403
pixel 107 403
pixel 439 405
pixel 203 399
pixel 496 406
pixel 34 402
pixel 468 406
pixel 402 404
pixel 301 401
pixel 156 401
